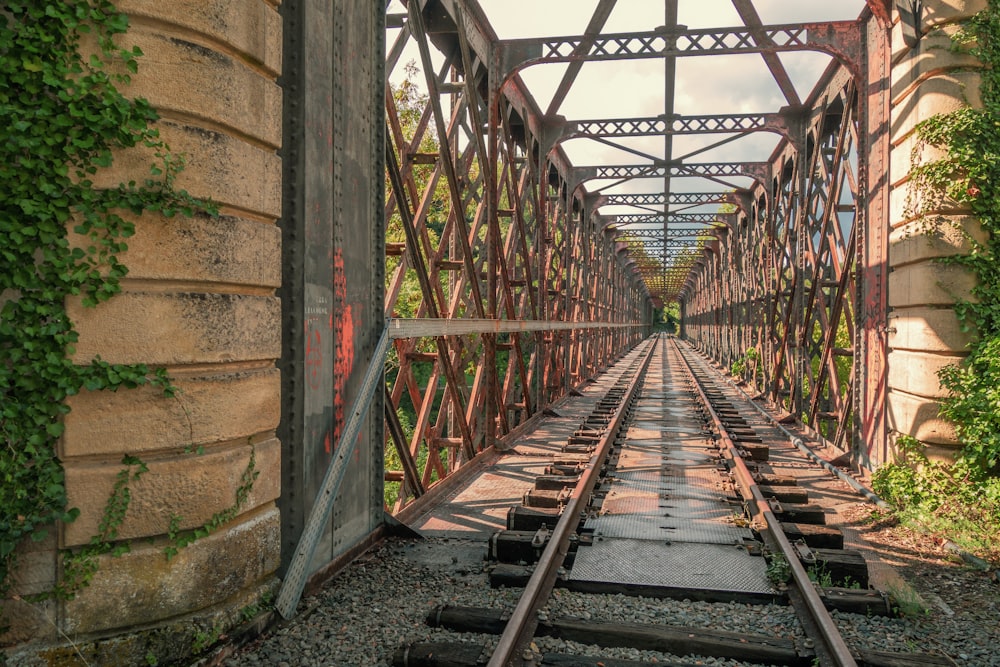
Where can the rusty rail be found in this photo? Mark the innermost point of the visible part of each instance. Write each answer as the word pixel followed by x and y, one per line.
pixel 524 619
pixel 830 635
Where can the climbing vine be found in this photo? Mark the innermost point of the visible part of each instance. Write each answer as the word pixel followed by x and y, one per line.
pixel 969 175
pixel 64 118
pixel 972 137
pixel 182 538
pixel 80 566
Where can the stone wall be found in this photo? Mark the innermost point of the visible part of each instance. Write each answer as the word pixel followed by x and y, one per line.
pixel 199 300
pixel 924 333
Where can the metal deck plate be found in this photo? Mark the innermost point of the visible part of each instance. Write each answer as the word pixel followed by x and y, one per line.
pixel 480 509
pixel 691 440
pixel 651 498
pixel 674 529
pixel 677 565
pixel 677 520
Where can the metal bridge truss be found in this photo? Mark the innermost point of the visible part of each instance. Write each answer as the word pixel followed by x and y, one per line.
pixel 478 229
pixel 487 220
pixel 792 293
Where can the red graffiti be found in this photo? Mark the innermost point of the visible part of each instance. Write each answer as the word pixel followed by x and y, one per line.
pixel 343 333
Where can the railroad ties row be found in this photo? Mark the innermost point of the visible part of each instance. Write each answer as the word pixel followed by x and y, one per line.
pixel 528 524
pixel 820 549
pixel 658 505
pixel 515 551
pixel 839 575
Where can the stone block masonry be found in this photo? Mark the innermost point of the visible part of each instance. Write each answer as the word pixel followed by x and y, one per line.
pixel 199 300
pixel 928 79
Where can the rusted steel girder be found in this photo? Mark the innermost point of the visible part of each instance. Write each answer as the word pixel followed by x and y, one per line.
pixel 671 234
pixel 654 126
pixel 870 380
pixel 629 219
pixel 794 288
pixel 776 275
pixel 481 230
pixel 882 10
pixel 759 171
pixel 841 39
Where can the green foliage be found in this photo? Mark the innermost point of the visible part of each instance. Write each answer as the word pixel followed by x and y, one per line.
pixel 64 119
pixel 906 602
pixel 251 611
pixel 969 175
pixel 182 538
pixel 204 639
pixel 778 571
pixel 410 102
pixel 818 574
pixel 748 362
pixel 79 566
pixel 957 500
pixel 667 318
pixel 963 499
pixel 974 404
pixel 391 490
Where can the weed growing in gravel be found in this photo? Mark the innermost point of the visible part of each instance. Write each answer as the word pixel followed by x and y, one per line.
pixel 778 570
pixel 906 601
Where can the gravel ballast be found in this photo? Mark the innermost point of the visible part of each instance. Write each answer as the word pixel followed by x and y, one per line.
pixel 381 601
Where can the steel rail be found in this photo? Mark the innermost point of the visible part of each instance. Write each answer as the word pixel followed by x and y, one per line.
pixel 523 621
pixel 800 444
pixel 831 637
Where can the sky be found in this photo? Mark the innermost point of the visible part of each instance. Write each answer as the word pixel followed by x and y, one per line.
pixel 630 88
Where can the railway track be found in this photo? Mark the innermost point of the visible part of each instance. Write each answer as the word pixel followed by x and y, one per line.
pixel 663 491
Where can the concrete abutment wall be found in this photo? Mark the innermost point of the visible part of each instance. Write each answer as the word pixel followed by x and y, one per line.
pixel 200 300
pixel 924 332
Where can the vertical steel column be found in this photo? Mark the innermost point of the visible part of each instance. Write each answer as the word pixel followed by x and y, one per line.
pixel 331 291
pixel 798 222
pixel 669 93
pixel 870 359
pixel 489 165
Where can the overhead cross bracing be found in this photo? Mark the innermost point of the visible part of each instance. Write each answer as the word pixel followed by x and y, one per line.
pixel 589 161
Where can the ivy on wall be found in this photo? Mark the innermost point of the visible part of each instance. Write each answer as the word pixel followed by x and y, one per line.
pixel 968 174
pixel 972 138
pixel 64 118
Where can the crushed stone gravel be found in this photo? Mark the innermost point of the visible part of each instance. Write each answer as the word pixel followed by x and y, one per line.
pixel 380 602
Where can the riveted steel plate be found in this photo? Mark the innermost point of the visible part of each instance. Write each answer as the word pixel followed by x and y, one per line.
pixel 644 517
pixel 672 529
pixel 696 454
pixel 690 440
pixel 661 424
pixel 651 431
pixel 662 493
pixel 675 565
pixel 670 410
